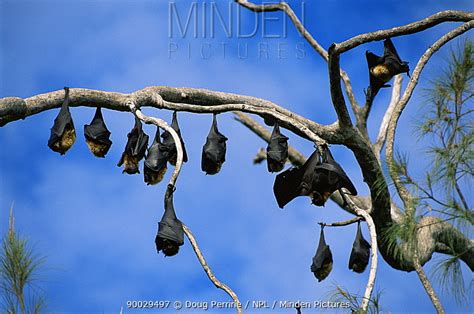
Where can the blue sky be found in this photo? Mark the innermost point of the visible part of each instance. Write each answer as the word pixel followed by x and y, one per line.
pixel 96 226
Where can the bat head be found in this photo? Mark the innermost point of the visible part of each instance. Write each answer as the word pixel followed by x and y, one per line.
pixel 170 234
pixel 130 164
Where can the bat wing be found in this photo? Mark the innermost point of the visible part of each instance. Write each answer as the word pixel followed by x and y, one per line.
pixel 154 159
pixel 322 260
pixel 62 121
pixel 170 230
pixel 277 150
pixel 360 253
pixel 214 150
pixel 309 173
pixel 287 185
pixel 97 130
pixel 390 51
pixel 336 175
pixel 392 59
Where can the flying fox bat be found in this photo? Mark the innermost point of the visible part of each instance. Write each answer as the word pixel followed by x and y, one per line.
pixel 382 69
pixel 322 260
pixel 359 258
pixel 168 142
pixel 277 150
pixel 329 178
pixel 135 149
pixel 155 161
pixel 97 136
pixel 170 234
pixel 63 134
pixel 296 181
pixel 213 152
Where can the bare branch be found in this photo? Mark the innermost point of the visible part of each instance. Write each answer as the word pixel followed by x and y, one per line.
pixel 336 92
pixel 400 106
pixel 179 99
pixel 396 92
pixel 285 7
pixel 208 270
pixel 341 223
pixel 295 157
pixel 415 27
pixel 373 256
pixel 427 284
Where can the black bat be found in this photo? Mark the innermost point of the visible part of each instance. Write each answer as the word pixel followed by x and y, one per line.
pixel 63 134
pixel 296 181
pixel 213 151
pixel 382 69
pixel 169 145
pixel 329 178
pixel 322 260
pixel 359 258
pixel 135 149
pixel 97 136
pixel 170 230
pixel 155 162
pixel 277 150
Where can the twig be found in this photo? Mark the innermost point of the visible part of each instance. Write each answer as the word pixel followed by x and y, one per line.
pixel 341 223
pixel 415 27
pixel 208 270
pixel 405 195
pixel 381 137
pixel 373 256
pixel 286 8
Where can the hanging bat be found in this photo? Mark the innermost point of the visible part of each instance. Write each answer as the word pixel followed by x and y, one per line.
pixel 155 161
pixel 382 69
pixel 329 178
pixel 296 181
pixel 322 260
pixel 135 149
pixel 170 230
pixel 359 258
pixel 277 150
pixel 169 145
pixel 63 134
pixel 97 136
pixel 213 152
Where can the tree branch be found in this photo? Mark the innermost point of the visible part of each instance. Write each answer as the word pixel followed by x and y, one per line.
pixel 285 7
pixel 381 137
pixel 415 27
pixel 179 99
pixel 208 270
pixel 400 106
